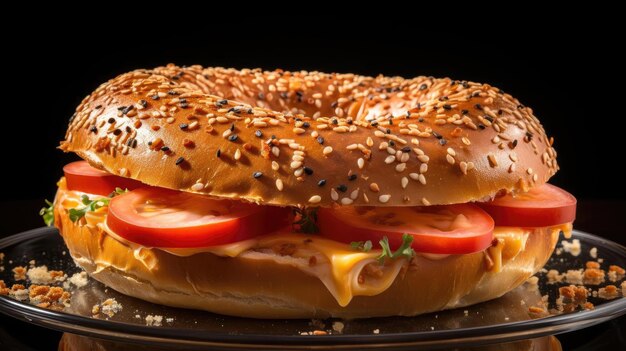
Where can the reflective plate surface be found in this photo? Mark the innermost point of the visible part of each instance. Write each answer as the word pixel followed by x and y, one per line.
pixel 504 319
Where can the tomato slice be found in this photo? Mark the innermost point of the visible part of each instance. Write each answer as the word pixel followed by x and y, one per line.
pixel 80 176
pixel 542 206
pixel 157 217
pixel 451 229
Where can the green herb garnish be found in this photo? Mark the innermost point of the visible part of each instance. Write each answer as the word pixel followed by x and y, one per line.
pixel 404 250
pixel 365 246
pixel 305 220
pixel 92 205
pixel 47 213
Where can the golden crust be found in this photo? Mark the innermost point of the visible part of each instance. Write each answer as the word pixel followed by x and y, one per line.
pixel 344 139
pixel 241 286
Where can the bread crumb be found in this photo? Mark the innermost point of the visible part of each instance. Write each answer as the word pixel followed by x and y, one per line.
pixel 19 292
pixel 554 276
pixel 154 321
pixel 593 276
pixel 110 307
pixel 32 263
pixel 593 252
pixel 169 320
pixel 376 331
pixel 79 279
pixel 617 269
pixel 609 292
pixel 572 248
pixel 3 288
pixel 537 312
pixel 137 316
pixel 319 332
pixel 45 296
pixel 41 275
pixel 338 327
pixel 573 293
pixel 532 283
pixel 466 312
pixel 19 273
pixel 574 276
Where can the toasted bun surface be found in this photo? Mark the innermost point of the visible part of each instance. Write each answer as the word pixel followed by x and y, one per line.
pixel 342 138
pixel 265 288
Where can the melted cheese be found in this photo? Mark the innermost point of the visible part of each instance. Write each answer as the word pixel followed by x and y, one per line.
pixel 345 273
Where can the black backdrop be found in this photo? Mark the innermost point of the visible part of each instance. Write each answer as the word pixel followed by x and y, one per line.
pixel 571 76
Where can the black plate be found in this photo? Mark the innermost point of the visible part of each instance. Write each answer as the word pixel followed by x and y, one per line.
pixel 500 320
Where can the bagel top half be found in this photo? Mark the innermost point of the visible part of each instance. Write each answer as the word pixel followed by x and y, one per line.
pixel 317 140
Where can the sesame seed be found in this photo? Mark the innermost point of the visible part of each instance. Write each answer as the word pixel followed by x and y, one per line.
pixel 322 182
pixel 179 160
pixel 342 187
pixel 346 201
pixel 463 167
pixel 183 126
pixel 320 140
pixel 308 170
pixel 354 194
pixel 275 151
pixel 360 163
pixel 275 165
pixel 400 167
pixel 450 159
pixel 257 175
pixel 218 153
pixel 295 164
pixel 258 134
pixel 390 159
pixel 333 194
pixel 327 150
pixel 197 187
pixel 404 182
pixel 315 199
pixel 352 177
pixel 451 151
pixel 352 147
pixel 232 137
pixel 384 198
pixel 237 155
pixel 374 187
pixel 425 202
pixel 493 162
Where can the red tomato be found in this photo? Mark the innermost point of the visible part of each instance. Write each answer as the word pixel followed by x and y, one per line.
pixel 80 176
pixel 452 229
pixel 542 206
pixel 157 217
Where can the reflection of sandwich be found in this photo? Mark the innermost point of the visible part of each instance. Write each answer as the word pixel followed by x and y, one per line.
pixel 397 203
pixel 73 342
pixel 506 309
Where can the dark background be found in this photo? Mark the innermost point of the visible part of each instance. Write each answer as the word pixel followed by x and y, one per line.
pixel 570 76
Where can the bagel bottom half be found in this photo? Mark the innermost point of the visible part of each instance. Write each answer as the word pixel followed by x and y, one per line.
pixel 239 286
